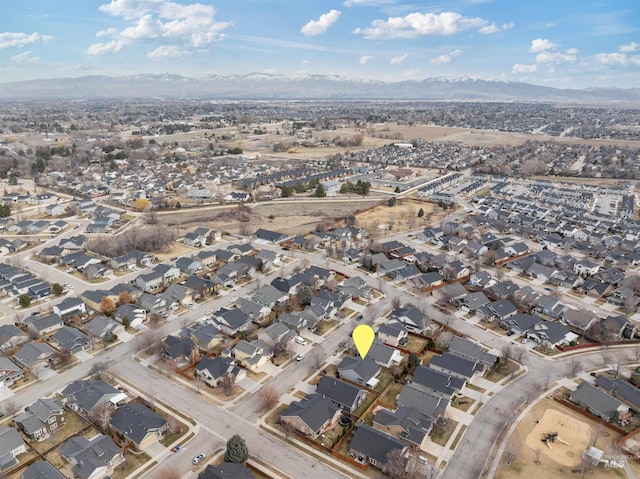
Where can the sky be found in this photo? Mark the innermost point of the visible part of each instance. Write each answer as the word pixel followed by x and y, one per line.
pixel 559 43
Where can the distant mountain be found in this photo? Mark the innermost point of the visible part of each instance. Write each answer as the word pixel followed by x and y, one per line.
pixel 271 87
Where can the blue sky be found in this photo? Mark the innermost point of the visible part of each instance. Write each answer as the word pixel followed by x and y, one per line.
pixel 561 43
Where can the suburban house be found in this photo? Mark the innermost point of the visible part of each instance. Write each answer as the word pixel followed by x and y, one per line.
pixel 231 321
pixel 360 371
pixel 103 327
pixel 226 470
pixel 599 403
pixel 11 446
pixel 430 404
pixel 411 318
pixel 371 445
pixel 393 334
pixel 43 325
pixel 621 389
pixel 449 363
pixel 135 315
pixel 34 356
pixel 70 307
pixel 181 351
pixel 406 423
pixel 270 236
pixel 71 339
pixel 551 334
pixel 41 470
pixel 472 351
pixel 11 337
pixel 10 372
pixel 212 370
pixel 41 418
pixel 93 458
pixel 579 320
pixel 436 382
pixel 312 416
pixel 138 423
pixel 205 336
pixel 344 395
pixel 87 396
pixel 249 355
pixel 384 356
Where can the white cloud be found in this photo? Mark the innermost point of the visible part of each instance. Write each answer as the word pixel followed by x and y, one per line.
pixel 521 68
pixel 185 27
pixel 630 47
pixel 446 57
pixel 410 73
pixel 25 57
pixel 572 51
pixel 617 59
pixel 353 3
pixel 364 59
pixel 493 28
pixel 106 47
pixel 167 51
pixel 269 71
pixel 541 45
pixel 322 24
pixel 21 40
pixel 400 59
pixel 555 57
pixel 420 24
pixel 306 62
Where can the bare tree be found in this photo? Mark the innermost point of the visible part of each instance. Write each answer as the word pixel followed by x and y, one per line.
pixel 98 368
pixel 268 397
pixel 172 425
pixel 440 424
pixel 227 381
pixel 395 464
pixel 10 407
pixel 281 346
pixel 511 454
pixel 444 339
pixel 197 383
pixel 507 351
pixel 518 353
pixel 396 302
pixel 617 363
pixel 317 356
pixel 100 417
pixel 574 366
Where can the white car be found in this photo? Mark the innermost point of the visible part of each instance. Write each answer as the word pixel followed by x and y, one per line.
pixel 234 299
pixel 68 286
pixel 198 459
pixel 299 357
pixel 525 340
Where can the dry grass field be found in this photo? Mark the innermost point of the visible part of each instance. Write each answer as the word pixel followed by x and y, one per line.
pixel 535 459
pixel 403 216
pixel 288 217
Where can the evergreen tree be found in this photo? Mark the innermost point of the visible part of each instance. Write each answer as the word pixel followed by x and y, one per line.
pixel 236 450
pixel 392 201
pixel 420 213
pixel 320 192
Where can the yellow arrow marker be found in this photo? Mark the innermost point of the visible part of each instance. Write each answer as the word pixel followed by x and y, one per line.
pixel 363 337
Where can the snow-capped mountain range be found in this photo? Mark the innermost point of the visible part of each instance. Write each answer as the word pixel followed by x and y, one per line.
pixel 262 86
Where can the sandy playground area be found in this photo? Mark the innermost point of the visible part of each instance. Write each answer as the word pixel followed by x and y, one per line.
pixel 570 430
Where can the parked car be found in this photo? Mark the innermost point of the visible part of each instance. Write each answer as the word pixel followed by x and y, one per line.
pixel 198 459
pixel 525 340
pixel 299 357
pixel 359 317
pixel 68 286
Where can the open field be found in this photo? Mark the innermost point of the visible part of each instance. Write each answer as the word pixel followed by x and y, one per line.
pixel 403 216
pixel 291 217
pixel 535 459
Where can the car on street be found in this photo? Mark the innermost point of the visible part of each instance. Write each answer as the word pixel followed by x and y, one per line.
pixel 234 299
pixel 359 317
pixel 299 357
pixel 68 286
pixel 198 459
pixel 525 340
pixel 27 267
